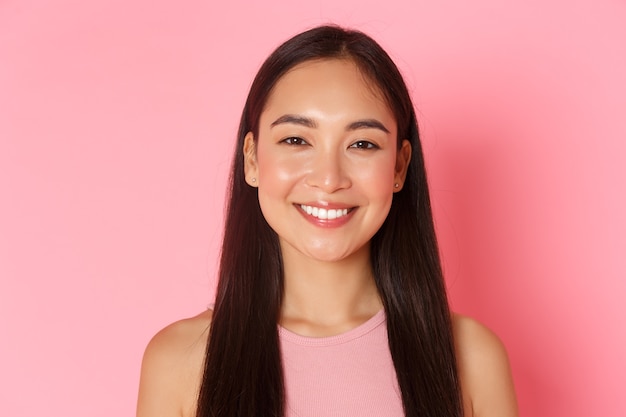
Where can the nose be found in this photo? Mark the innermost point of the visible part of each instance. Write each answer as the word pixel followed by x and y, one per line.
pixel 328 172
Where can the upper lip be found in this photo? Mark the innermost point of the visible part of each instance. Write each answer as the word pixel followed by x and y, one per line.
pixel 328 205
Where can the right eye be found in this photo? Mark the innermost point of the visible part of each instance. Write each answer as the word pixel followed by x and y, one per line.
pixel 294 140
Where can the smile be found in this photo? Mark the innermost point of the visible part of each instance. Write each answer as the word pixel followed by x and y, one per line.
pixel 324 214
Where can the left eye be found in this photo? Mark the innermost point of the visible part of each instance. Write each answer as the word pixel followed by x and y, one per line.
pixel 364 144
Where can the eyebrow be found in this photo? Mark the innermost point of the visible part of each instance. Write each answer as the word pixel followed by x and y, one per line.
pixel 296 120
pixel 367 124
pixel 310 123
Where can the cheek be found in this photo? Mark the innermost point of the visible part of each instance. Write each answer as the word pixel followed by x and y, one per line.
pixel 378 178
pixel 278 175
pixel 278 172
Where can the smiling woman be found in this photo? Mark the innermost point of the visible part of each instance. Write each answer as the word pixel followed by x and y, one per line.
pixel 330 299
pixel 326 144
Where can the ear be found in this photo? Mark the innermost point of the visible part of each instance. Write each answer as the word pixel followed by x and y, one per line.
pixel 403 157
pixel 250 165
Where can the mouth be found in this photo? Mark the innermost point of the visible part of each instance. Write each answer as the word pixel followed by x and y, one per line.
pixel 325 213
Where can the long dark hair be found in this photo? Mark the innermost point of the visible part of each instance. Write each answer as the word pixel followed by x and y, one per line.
pixel 243 373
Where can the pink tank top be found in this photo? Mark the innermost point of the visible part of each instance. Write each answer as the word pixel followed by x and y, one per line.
pixel 350 374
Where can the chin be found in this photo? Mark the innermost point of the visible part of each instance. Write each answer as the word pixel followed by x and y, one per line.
pixel 326 255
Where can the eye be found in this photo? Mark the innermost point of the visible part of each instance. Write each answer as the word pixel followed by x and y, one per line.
pixel 294 140
pixel 364 144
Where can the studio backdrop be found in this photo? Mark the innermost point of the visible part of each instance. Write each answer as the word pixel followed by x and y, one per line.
pixel 117 125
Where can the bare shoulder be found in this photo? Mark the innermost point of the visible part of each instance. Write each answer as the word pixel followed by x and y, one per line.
pixel 484 370
pixel 171 369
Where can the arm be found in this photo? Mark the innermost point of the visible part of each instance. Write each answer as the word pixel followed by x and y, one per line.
pixel 171 369
pixel 484 370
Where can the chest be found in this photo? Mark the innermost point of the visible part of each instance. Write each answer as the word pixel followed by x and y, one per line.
pixel 352 375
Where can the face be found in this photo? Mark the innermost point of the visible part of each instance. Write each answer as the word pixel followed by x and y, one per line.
pixel 326 161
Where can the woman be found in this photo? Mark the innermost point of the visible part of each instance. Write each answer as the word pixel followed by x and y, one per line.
pixel 330 298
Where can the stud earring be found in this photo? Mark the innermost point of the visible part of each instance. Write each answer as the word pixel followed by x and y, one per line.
pixel 396 185
pixel 253 179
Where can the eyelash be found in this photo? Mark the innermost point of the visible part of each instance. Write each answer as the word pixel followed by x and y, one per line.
pixel 360 144
pixel 364 144
pixel 294 141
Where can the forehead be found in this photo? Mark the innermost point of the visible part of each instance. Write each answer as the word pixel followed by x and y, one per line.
pixel 331 85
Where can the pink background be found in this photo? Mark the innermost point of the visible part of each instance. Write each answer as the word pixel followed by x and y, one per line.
pixel 117 121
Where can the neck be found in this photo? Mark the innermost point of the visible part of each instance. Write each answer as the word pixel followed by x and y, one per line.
pixel 326 298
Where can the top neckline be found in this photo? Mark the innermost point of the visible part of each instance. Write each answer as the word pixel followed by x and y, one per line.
pixel 360 330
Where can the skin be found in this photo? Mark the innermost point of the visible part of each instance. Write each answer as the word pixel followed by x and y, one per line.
pixel 328 140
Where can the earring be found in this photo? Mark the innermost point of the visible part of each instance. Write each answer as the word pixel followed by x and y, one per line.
pixel 253 179
pixel 396 185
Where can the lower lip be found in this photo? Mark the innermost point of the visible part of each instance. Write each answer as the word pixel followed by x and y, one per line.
pixel 326 223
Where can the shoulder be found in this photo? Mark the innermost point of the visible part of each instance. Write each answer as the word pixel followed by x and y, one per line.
pixel 484 370
pixel 180 341
pixel 172 367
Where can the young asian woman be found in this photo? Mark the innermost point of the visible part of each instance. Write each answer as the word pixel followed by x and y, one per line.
pixel 331 299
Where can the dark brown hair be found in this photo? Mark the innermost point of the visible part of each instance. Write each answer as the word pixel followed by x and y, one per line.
pixel 243 372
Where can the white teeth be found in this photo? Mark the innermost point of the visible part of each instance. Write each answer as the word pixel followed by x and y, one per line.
pixel 324 214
